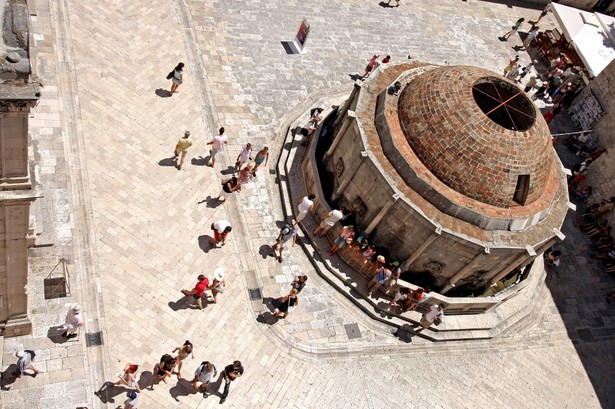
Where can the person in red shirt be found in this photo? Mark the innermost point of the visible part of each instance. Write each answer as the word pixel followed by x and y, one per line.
pixel 198 290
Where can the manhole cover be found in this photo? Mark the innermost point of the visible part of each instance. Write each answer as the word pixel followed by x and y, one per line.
pixel 93 339
pixel 352 330
pixel 255 293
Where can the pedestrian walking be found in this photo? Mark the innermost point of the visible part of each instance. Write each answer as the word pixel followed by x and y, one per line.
pixel 434 315
pixel 221 230
pixel 305 206
pixel 229 186
pixel 203 376
pixel 511 64
pixel 514 29
pixel 217 286
pixel 217 143
pixel 244 156
pixel 73 321
pixel 527 68
pixel 531 36
pixel 198 290
pixel 231 372
pixel 532 82
pixel 133 400
pixel 371 64
pixel 182 353
pixel 127 379
pixel 24 362
pixel 379 279
pixel 165 368
pixel 246 174
pixel 413 300
pixel 286 233
pixel 386 59
pixel 333 217
pixel 543 13
pixel 261 157
pixel 177 78
pixel 182 148
pixel 285 303
pixel 346 236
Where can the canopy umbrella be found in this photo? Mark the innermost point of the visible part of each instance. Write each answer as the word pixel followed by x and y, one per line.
pixel 590 34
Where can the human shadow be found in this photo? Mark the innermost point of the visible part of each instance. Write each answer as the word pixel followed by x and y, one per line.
pixel 230 170
pixel 518 48
pixel 204 243
pixel 200 161
pixel 183 387
pixel 211 202
pixel 147 380
pixel 8 377
pixel 183 303
pixel 386 5
pixel 162 93
pixel 214 387
pixel 405 333
pixel 266 251
pixel 109 391
pixel 172 161
pixel 55 334
pixel 355 77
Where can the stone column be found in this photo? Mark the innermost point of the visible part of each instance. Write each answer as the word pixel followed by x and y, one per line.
pixel 340 134
pixel 381 213
pixel 346 106
pixel 422 248
pixel 515 263
pixel 349 176
pixel 464 271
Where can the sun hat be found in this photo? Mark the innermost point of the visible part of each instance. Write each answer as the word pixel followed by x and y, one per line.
pixel 20 354
pixel 77 308
pixel 380 259
pixel 219 273
pixel 395 263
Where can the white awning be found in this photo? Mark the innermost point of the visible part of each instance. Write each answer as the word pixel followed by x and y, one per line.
pixel 591 34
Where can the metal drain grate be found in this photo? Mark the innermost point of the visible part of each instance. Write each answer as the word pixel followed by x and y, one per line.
pixel 93 339
pixel 255 293
pixel 353 331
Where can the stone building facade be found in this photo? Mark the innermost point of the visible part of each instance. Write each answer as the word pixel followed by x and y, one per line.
pixel 17 96
pixel 455 175
pixel 595 5
pixel 601 173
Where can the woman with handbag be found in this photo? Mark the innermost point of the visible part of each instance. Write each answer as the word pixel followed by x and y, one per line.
pixel 177 77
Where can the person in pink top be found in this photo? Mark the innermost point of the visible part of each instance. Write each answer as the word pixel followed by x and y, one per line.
pixel 371 64
pixel 217 143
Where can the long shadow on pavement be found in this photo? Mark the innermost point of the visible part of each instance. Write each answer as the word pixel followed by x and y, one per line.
pixel 579 287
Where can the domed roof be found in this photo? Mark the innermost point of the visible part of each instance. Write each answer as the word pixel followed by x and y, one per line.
pixel 478 133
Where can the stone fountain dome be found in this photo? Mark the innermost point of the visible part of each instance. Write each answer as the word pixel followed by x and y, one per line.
pixel 478 134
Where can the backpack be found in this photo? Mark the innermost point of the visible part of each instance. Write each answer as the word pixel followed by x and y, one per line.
pixel 170 75
pixel 286 230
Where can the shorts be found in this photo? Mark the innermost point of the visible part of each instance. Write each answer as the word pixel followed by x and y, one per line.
pixel 219 236
pixel 259 161
pixel 196 297
pixel 340 242
pixel 325 225
pixel 224 194
pixel 301 216
pixel 176 81
pixel 213 152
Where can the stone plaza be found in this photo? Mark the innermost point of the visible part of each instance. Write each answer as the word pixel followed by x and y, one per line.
pixel 134 230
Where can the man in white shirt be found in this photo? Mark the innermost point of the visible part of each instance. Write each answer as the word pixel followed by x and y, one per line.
pixel 217 143
pixel 435 312
pixel 333 217
pixel 306 206
pixel 221 229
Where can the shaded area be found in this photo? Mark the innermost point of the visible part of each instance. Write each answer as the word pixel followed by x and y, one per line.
pixel 578 287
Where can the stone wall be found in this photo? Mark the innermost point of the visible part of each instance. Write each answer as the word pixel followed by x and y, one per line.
pixel 601 172
pixel 580 4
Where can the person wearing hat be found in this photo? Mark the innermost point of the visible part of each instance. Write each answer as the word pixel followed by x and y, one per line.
pixel 74 320
pixel 24 362
pixel 217 286
pixel 133 398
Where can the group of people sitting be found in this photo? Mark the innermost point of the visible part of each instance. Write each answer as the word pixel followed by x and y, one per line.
pixel 593 225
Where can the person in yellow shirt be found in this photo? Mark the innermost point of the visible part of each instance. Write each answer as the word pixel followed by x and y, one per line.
pixel 182 147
